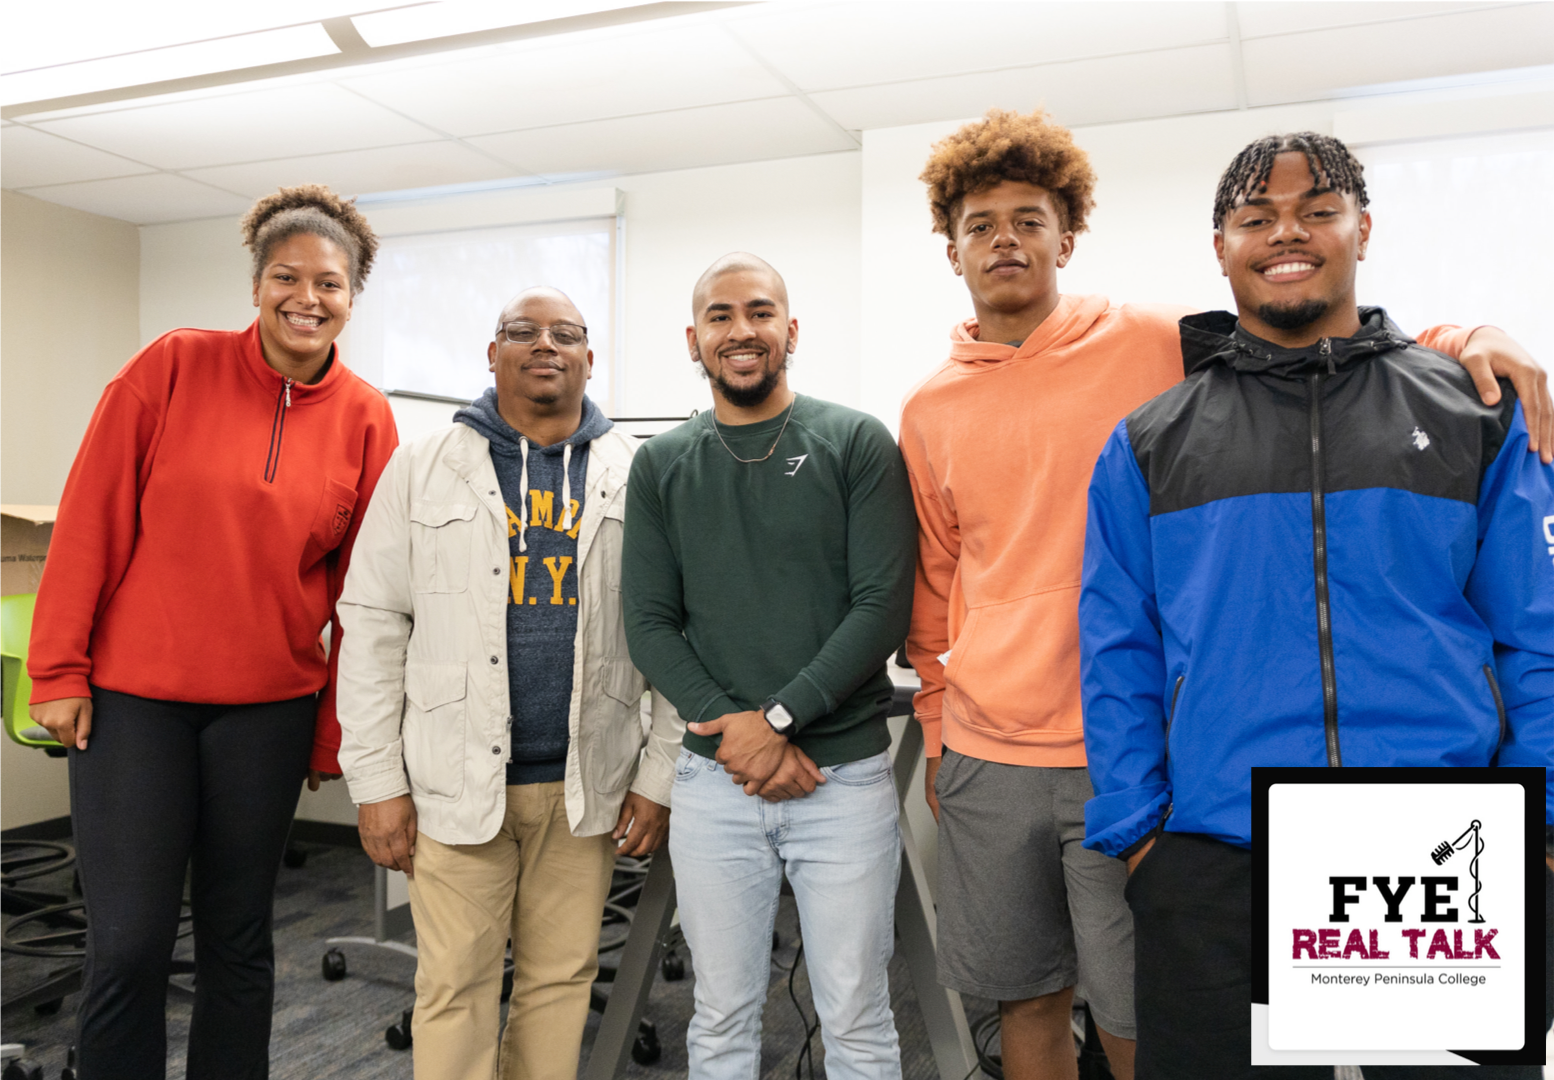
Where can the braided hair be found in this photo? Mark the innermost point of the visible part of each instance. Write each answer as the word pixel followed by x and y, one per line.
pixel 314 210
pixel 1330 161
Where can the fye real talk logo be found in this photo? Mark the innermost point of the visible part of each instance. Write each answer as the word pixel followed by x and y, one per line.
pixel 1437 902
pixel 1396 914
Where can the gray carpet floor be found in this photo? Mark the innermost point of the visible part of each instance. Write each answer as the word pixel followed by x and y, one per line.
pixel 335 1029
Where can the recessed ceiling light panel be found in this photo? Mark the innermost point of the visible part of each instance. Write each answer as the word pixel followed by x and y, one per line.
pixel 426 21
pixel 174 62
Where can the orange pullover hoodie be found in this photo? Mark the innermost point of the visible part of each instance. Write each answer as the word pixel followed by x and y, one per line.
pixel 1000 443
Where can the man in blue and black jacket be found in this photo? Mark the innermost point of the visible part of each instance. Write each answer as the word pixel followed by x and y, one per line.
pixel 1320 549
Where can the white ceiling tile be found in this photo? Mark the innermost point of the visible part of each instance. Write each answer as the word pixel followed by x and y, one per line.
pixel 713 135
pixel 282 122
pixel 145 200
pixel 1294 16
pixel 358 172
pixel 1327 61
pixel 1163 83
pixel 840 45
pixel 29 158
pixel 570 81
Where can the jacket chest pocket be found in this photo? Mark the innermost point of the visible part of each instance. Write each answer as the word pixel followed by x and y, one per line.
pixel 441 535
pixel 434 727
pixel 333 518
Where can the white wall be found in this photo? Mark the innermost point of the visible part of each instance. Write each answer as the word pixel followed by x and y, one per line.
pixel 801 214
pixel 70 321
pixel 69 307
pixel 1150 236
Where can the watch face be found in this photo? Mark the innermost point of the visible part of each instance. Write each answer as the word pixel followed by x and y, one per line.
pixel 778 717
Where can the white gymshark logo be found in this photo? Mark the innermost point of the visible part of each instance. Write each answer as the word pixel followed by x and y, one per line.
pixel 1421 440
pixel 797 463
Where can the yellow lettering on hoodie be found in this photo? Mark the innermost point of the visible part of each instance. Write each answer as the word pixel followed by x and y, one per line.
pixel 541 503
pixel 512 522
pixel 520 567
pixel 577 522
pixel 556 574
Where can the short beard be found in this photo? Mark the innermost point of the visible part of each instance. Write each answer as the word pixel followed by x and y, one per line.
pixel 1292 316
pixel 746 397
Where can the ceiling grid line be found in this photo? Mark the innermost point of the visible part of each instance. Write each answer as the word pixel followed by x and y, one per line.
pixel 1237 58
pixel 445 135
pixel 793 88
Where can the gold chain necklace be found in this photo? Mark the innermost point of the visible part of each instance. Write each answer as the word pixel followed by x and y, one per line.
pixel 769 453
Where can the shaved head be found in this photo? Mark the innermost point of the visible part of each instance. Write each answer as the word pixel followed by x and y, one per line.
pixel 732 263
pixel 515 306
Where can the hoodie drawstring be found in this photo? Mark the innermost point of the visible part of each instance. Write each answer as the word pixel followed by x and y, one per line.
pixel 523 494
pixel 566 488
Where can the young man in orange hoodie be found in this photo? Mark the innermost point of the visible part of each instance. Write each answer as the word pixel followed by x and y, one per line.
pixel 1000 443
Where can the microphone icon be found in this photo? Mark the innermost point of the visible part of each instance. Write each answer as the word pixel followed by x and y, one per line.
pixel 1447 848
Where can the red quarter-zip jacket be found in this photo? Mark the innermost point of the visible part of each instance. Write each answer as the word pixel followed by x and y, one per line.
pixel 205 530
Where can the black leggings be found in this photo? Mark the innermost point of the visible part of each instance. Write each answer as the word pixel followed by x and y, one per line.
pixel 162 782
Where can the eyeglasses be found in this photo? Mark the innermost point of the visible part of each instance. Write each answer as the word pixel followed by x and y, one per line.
pixel 561 333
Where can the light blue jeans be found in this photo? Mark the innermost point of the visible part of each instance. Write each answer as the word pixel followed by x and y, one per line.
pixel 841 848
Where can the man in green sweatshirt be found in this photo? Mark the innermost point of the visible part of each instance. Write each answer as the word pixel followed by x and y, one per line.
pixel 767 576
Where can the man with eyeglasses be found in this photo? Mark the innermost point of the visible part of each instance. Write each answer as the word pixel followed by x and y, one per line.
pixel 490 715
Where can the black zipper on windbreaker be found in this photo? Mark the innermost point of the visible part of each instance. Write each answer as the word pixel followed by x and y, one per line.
pixel 272 461
pixel 1494 690
pixel 1170 719
pixel 1319 561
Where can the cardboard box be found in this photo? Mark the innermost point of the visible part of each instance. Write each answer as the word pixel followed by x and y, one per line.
pixel 24 544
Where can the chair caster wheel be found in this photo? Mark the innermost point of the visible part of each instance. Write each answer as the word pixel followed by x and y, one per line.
pixel 334 965
pixel 69 1071
pixel 673 967
pixel 645 1049
pixel 48 1008
pixel 398 1035
pixel 295 858
pixel 27 1069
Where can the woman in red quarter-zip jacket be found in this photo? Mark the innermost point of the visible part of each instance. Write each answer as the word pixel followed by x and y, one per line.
pixel 201 544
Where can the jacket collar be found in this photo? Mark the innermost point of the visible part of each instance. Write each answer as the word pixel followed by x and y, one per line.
pixel 251 357
pixel 1216 337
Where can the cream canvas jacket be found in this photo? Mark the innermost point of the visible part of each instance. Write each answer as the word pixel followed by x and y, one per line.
pixel 423 692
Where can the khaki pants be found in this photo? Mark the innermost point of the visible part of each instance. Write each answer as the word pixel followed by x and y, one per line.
pixel 537 884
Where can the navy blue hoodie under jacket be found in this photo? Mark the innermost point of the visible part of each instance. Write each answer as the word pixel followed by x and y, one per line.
pixel 539 484
pixel 1334 555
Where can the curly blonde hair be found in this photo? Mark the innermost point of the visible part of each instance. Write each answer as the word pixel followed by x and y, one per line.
pixel 315 210
pixel 1006 145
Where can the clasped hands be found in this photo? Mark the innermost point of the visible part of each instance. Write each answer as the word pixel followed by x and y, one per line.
pixel 763 762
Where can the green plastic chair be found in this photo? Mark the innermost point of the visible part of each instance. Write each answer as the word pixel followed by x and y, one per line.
pixel 15 629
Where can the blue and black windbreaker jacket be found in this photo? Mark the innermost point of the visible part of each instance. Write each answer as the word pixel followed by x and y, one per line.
pixel 1325 556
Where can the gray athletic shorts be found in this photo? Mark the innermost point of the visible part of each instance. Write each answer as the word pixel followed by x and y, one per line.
pixel 1024 910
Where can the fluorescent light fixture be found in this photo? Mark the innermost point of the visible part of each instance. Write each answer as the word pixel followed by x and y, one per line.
pixel 39 35
pixel 427 21
pixel 174 62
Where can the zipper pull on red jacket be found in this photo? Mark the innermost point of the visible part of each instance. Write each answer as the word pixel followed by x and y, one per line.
pixel 288 393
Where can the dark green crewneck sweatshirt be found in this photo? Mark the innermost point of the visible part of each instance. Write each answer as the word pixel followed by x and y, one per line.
pixel 791 577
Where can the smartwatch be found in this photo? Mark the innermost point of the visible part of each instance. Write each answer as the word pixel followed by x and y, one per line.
pixel 778 716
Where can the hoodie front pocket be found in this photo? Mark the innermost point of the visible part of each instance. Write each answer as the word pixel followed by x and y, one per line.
pixel 441 535
pixel 434 727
